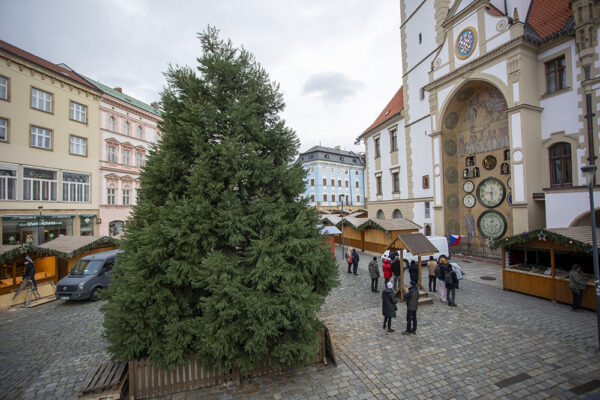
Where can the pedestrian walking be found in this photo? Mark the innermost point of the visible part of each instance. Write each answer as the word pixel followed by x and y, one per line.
pixel 355 259
pixel 441 274
pixel 387 271
pixel 349 259
pixel 396 271
pixel 374 273
pixel 388 306
pixel 411 296
pixel 413 271
pixel 577 284
pixel 431 265
pixel 451 280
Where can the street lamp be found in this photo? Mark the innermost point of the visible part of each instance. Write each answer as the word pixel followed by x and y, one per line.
pixel 40 230
pixel 343 254
pixel 588 172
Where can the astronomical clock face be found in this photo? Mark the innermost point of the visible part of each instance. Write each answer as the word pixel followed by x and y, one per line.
pixel 492 224
pixel 469 200
pixel 491 192
pixel 468 186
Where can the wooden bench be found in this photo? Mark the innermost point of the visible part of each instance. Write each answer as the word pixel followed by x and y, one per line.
pixel 107 381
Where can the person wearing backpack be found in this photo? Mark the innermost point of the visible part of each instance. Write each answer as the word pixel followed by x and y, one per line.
pixel 442 269
pixel 431 266
pixel 451 280
pixel 412 303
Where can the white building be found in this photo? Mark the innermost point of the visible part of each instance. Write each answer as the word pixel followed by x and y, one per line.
pixel 490 122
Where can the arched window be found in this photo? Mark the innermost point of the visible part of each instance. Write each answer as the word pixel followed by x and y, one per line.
pixel 127 128
pixel 560 164
pixel 380 214
pixel 397 214
pixel 111 123
pixel 139 132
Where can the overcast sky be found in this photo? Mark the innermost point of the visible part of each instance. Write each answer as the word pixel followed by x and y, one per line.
pixel 338 62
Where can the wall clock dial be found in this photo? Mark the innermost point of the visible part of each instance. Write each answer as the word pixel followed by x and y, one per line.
pixel 468 186
pixel 492 224
pixel 469 200
pixel 491 192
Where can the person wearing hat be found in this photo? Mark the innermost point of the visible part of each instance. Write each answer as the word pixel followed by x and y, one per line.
pixel 411 296
pixel 30 271
pixel 577 284
pixel 443 268
pixel 388 306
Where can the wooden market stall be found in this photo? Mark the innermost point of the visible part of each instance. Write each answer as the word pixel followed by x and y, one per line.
pixel 538 263
pixel 332 232
pixel 418 245
pixel 70 249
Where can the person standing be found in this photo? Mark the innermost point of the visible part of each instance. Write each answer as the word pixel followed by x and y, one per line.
pixel 451 280
pixel 388 306
pixel 355 259
pixel 374 273
pixel 349 259
pixel 577 284
pixel 413 271
pixel 442 269
pixel 431 265
pixel 412 303
pixel 396 271
pixel 30 271
pixel 387 271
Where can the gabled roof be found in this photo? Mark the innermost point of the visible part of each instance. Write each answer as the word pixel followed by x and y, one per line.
pixel 548 19
pixel 123 97
pixel 71 246
pixel 392 109
pixel 416 243
pixel 43 63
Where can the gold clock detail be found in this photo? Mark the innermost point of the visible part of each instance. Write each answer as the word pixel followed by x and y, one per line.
pixel 491 192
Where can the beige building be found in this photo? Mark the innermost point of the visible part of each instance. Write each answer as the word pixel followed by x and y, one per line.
pixel 49 123
pixel 494 120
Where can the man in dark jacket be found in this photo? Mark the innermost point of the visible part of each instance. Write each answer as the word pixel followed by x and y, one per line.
pixel 374 273
pixel 577 284
pixel 451 281
pixel 355 259
pixel 411 296
pixel 396 271
pixel 388 306
pixel 413 270
pixel 30 271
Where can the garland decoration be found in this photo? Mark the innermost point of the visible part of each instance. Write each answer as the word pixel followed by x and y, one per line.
pixel 542 235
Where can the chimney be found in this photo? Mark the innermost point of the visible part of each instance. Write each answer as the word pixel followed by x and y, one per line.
pixel 155 105
pixel 337 147
pixel 118 89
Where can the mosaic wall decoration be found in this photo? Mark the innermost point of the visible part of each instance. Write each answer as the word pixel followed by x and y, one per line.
pixel 465 94
pixel 452 202
pixel 453 227
pixel 450 147
pixel 451 175
pixel 492 224
pixel 466 42
pixel 451 120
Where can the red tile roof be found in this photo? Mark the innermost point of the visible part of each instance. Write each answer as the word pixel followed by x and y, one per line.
pixel 393 108
pixel 43 63
pixel 548 17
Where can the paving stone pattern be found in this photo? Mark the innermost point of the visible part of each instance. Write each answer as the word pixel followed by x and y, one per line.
pixel 496 344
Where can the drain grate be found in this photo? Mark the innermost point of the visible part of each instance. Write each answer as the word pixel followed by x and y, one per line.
pixel 513 380
pixel 487 278
pixel 586 387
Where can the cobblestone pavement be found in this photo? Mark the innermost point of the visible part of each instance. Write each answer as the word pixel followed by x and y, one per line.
pixel 46 351
pixel 468 352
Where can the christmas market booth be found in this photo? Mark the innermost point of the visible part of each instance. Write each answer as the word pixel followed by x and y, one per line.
pixel 538 263
pixel 70 249
pixel 369 233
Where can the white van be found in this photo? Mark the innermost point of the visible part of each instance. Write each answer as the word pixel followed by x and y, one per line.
pixel 440 242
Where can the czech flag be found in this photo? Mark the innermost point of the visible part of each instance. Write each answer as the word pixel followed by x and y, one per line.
pixel 455 239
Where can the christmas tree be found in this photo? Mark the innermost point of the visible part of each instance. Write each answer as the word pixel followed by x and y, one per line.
pixel 220 259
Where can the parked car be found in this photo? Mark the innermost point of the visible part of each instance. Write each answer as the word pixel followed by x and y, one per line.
pixel 440 243
pixel 88 277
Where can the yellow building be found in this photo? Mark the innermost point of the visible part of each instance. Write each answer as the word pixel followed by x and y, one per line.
pixel 49 123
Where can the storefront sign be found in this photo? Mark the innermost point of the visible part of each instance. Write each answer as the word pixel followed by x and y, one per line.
pixel 37 223
pixel 35 217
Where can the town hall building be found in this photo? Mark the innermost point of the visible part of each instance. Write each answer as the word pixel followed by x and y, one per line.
pixel 497 114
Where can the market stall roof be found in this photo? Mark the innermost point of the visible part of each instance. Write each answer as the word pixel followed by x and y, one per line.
pixel 332 219
pixel 330 230
pixel 576 237
pixel 9 252
pixel 416 243
pixel 395 224
pixel 71 246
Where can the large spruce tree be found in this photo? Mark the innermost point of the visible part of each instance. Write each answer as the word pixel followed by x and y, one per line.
pixel 221 259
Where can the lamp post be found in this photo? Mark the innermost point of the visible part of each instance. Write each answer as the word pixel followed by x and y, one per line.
pixel 343 253
pixel 589 171
pixel 40 229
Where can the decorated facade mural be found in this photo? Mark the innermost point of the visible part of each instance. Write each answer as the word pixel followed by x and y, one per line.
pixel 476 162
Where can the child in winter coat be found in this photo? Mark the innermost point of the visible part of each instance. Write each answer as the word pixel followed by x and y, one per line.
pixel 387 271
